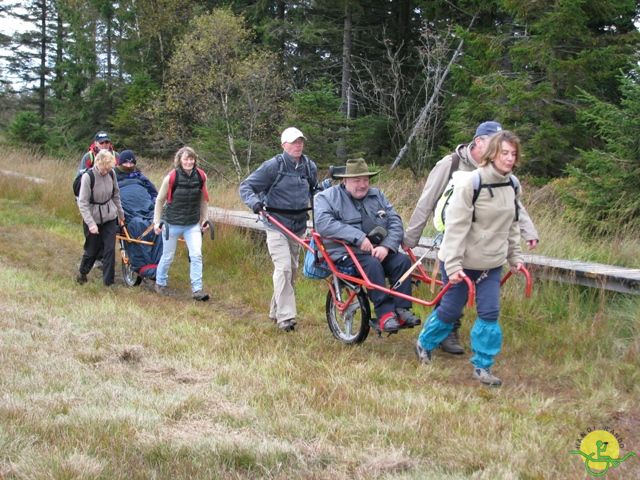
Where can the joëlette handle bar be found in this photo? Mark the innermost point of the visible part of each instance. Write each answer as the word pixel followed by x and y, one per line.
pixel 286 231
pixel 364 280
pixel 128 238
pixel 421 273
pixel 528 287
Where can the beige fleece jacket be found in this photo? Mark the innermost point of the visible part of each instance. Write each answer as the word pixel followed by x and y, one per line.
pixel 493 238
pixel 434 188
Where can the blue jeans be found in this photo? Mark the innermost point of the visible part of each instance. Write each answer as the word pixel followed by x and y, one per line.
pixel 193 237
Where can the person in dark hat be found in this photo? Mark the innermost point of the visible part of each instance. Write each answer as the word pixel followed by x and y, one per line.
pixel 136 187
pixel 465 158
pixel 362 217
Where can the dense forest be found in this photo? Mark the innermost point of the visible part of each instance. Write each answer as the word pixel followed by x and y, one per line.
pixel 372 77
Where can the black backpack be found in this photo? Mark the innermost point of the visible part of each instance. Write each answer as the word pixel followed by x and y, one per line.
pixel 78 180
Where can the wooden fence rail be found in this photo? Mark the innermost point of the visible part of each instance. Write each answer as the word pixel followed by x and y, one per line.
pixel 596 275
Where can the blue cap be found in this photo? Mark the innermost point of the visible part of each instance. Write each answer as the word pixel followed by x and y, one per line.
pixel 102 137
pixel 487 128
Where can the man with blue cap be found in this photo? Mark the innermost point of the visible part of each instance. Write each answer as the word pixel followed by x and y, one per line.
pixel 464 158
pixel 101 141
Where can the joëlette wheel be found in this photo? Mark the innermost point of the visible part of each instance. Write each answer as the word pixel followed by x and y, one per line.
pixel 352 326
pixel 131 278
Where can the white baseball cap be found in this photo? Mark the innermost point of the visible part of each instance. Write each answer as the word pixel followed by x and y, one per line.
pixel 290 135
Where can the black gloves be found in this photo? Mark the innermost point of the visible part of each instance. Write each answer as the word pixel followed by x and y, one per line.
pixel 258 207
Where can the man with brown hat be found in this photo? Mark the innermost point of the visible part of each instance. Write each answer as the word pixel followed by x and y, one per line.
pixel 362 217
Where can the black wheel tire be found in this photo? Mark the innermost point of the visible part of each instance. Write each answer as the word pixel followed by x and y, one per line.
pixel 130 277
pixel 352 326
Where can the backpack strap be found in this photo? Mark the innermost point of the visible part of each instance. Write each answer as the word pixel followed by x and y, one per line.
pixel 281 173
pixel 202 176
pixel 92 183
pixel 515 184
pixel 203 182
pixel 455 164
pixel 92 178
pixel 478 185
pixel 280 160
pixel 172 184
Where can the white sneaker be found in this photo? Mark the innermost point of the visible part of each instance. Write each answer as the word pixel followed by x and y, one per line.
pixel 484 375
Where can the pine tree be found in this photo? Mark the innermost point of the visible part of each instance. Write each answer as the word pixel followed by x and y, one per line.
pixel 603 186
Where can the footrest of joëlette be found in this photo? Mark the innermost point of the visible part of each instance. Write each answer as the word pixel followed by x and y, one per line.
pixel 375 325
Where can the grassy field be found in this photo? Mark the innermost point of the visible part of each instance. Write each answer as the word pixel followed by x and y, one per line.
pixel 119 383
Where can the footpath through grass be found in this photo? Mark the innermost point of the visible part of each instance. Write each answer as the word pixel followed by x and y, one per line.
pixel 118 383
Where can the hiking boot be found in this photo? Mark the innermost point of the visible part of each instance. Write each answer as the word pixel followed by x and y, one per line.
pixel 161 289
pixel 484 375
pixel 424 356
pixel 200 296
pixel 389 323
pixel 407 318
pixel 81 278
pixel 287 325
pixel 451 344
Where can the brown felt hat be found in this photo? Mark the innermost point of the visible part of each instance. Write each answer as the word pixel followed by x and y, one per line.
pixel 356 167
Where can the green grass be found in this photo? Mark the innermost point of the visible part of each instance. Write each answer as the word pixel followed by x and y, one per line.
pixel 121 384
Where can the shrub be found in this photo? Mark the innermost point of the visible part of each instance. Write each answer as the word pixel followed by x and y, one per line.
pixel 26 129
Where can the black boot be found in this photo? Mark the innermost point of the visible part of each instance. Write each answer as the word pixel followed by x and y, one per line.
pixel 451 344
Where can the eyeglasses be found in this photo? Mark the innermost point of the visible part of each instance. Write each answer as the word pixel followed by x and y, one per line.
pixel 104 142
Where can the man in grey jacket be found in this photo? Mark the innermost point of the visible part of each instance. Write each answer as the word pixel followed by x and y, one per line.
pixel 465 158
pixel 283 186
pixel 363 218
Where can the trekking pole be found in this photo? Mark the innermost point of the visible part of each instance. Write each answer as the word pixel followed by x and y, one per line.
pixel 434 273
pixel 406 274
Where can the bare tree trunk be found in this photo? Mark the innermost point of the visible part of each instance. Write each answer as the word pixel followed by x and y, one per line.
pixel 224 101
pixel 59 76
pixel 162 62
pixel 109 20
pixel 426 109
pixel 43 60
pixel 346 95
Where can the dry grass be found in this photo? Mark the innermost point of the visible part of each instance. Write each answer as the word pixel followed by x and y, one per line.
pixel 123 384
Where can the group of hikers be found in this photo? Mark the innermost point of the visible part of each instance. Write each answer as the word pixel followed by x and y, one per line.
pixel 484 226
pixel 179 208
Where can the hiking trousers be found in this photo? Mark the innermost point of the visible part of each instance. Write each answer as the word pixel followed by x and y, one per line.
pixel 393 266
pixel 104 241
pixel 285 253
pixel 193 238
